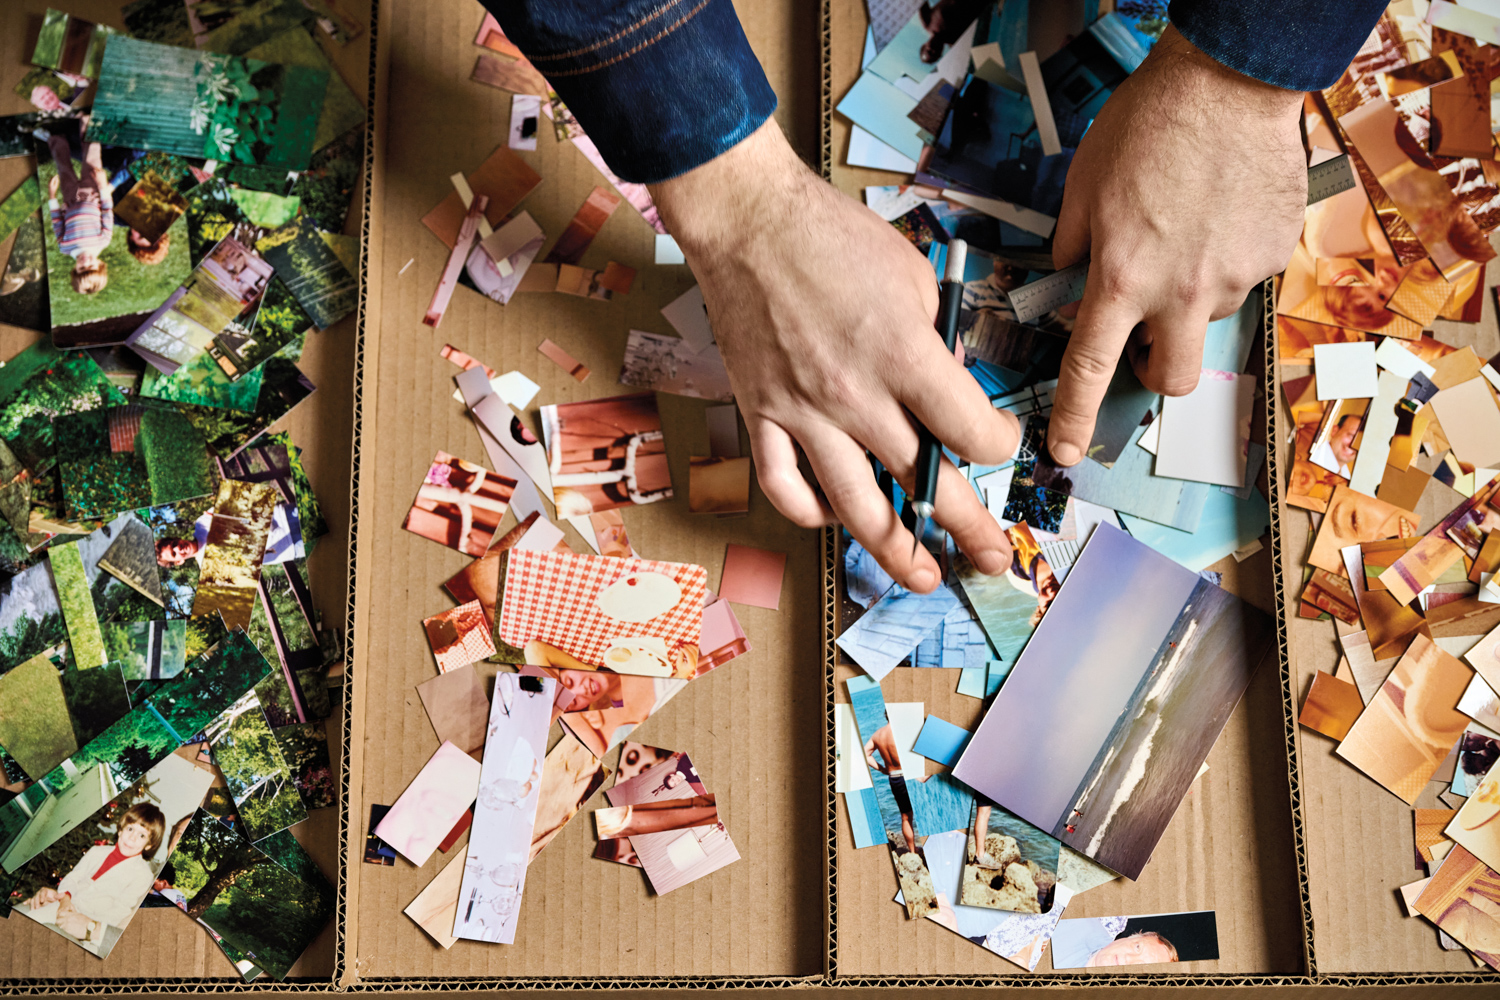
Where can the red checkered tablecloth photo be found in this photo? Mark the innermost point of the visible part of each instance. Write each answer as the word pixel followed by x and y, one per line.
pixel 553 596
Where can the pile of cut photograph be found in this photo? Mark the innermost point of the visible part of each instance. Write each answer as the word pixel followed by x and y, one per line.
pixel 165 679
pixel 1396 450
pixel 555 651
pixel 1108 657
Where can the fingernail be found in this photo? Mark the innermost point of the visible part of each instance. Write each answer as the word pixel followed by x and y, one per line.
pixel 923 579
pixel 1065 453
pixel 990 562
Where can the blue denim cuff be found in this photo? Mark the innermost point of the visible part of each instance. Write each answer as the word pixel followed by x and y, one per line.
pixel 661 87
pixel 1292 44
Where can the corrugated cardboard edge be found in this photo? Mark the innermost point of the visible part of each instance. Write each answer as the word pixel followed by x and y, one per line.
pixel 830 558
pixel 1284 661
pixel 351 806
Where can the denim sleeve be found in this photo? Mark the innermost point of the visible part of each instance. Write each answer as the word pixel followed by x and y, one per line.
pixel 661 86
pixel 1293 44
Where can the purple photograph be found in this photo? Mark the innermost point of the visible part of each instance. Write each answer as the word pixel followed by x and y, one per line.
pixel 1103 723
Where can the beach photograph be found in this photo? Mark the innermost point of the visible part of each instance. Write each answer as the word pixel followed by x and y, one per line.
pixel 1107 716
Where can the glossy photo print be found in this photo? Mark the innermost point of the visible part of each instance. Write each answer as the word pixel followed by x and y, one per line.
pixel 588 612
pixel 460 504
pixel 671 851
pixel 1021 938
pixel 312 271
pixel 1010 864
pixel 891 777
pixel 1408 728
pixel 208 105
pixel 508 790
pixel 255 904
pixel 103 278
pixel 571 775
pixel 1156 939
pixel 601 708
pixel 606 453
pixel 89 883
pixel 223 293
pixel 126 457
pixel 1156 658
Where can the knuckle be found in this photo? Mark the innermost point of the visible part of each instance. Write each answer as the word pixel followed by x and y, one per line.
pixel 1191 288
pixel 841 390
pixel 850 500
pixel 791 498
pixel 964 519
pixel 1115 284
pixel 1090 362
pixel 1071 415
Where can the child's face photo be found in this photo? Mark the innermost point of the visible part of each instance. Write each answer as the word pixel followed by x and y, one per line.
pixel 133 839
pixel 175 551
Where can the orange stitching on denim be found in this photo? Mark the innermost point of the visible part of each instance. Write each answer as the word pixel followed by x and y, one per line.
pixel 632 51
pixel 658 12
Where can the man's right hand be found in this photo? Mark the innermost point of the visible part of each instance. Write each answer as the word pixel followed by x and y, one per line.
pixel 824 315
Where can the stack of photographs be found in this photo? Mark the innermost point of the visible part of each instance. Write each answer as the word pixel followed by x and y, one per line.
pixel 158 636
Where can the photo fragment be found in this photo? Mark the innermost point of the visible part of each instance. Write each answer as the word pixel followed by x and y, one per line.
pixel 166 680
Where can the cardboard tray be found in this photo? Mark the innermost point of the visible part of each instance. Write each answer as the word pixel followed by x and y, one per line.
pixel 802 909
pixel 1298 853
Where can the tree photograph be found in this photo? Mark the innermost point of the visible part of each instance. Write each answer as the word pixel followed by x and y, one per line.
pixel 259 780
pixel 256 905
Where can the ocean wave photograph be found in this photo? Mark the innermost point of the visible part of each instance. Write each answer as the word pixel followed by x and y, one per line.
pixel 1109 713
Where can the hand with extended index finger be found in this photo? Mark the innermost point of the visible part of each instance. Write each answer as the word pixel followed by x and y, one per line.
pixel 1187 190
pixel 824 315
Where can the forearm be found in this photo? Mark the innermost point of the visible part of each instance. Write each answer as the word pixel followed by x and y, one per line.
pixel 660 86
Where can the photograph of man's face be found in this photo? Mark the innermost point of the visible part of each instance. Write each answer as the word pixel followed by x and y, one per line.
pixel 175 551
pixel 1341 440
pixel 586 686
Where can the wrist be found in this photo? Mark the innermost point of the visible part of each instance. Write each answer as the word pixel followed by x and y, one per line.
pixel 1190 72
pixel 742 190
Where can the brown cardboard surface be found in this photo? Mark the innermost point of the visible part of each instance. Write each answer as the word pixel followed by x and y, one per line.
pixel 753 727
pixel 163 943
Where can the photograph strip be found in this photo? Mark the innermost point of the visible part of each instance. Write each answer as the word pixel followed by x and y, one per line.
pixel 505 812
